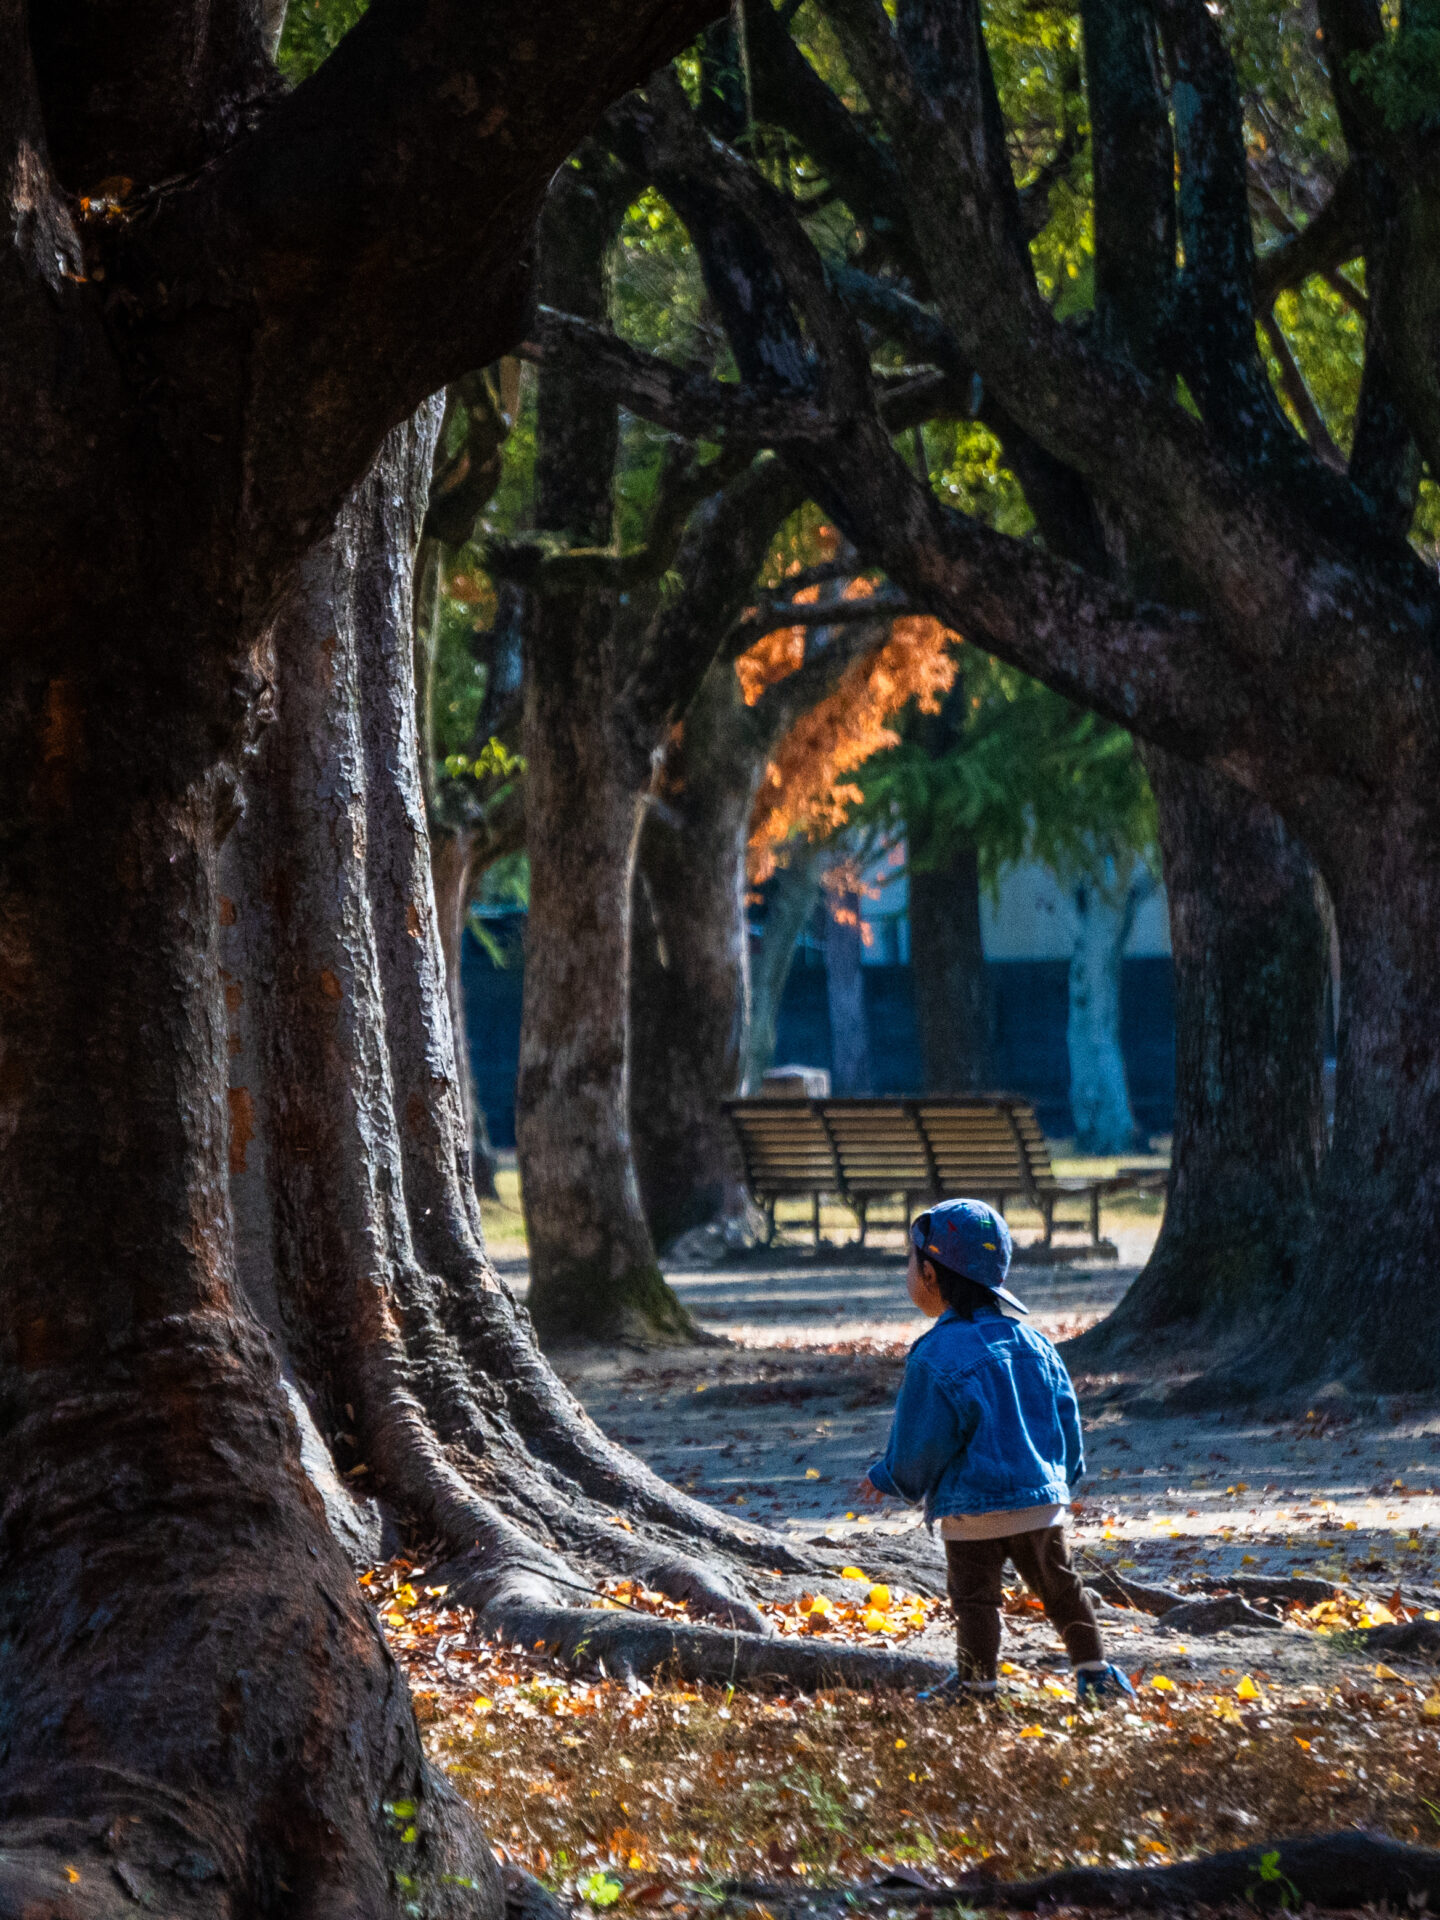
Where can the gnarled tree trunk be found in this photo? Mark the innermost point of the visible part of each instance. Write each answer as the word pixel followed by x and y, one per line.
pixel 236 1723
pixel 1251 959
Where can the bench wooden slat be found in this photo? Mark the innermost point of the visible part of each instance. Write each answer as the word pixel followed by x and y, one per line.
pixel 991 1147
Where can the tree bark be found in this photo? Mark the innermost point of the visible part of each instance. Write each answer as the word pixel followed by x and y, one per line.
pixel 135 1382
pixel 954 1003
pixel 592 1261
pixel 690 994
pixel 1251 960
pixel 1099 1086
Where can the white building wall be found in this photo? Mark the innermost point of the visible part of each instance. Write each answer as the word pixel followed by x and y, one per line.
pixel 1032 920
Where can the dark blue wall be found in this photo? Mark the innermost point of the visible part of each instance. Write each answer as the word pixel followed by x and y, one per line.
pixel 1031 1003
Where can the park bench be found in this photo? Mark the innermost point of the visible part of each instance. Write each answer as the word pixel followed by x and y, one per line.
pixel 986 1147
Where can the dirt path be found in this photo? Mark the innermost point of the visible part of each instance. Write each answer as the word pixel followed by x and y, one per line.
pixel 784 1419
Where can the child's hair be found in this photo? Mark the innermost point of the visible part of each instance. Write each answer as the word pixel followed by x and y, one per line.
pixel 959 1292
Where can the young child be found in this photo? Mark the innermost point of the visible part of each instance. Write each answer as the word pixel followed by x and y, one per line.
pixel 986 1435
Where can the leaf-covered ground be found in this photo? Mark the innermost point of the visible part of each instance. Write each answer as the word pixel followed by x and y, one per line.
pixel 617 1793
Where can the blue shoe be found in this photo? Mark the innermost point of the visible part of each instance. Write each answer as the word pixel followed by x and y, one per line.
pixel 952 1687
pixel 1098 1688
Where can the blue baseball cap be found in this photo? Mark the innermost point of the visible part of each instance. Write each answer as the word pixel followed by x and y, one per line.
pixel 971 1238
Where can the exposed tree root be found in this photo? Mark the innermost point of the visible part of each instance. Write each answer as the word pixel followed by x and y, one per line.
pixel 1328 1870
pixel 630 1643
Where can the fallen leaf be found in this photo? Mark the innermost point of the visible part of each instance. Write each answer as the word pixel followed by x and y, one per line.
pixel 1247 1689
pixel 1162 1685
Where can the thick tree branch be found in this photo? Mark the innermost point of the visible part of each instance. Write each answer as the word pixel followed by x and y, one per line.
pixel 1292 382
pixel 774 616
pixel 688 403
pixel 724 547
pixel 1221 359
pixel 379 219
pixel 1241 534
pixel 142 91
pixel 823 668
pixel 1335 235
pixel 1134 168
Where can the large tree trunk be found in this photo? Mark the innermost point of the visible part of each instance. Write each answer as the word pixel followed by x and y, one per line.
pixel 199 1711
pixel 1251 959
pixel 1099 1086
pixel 592 1262
pixel 690 992
pixel 1364 1309
pixel 954 1004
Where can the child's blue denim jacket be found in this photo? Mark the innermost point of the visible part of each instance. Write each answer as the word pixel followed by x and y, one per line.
pixel 986 1421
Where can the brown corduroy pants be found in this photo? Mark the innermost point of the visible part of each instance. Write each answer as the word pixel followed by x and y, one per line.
pixel 1042 1559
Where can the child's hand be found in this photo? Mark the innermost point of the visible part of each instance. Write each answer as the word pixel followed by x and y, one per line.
pixel 869 1493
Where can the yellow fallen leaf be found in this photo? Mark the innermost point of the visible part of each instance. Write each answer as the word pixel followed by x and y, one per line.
pixel 1382 1672
pixel 1433 1614
pixel 1032 1733
pixel 812 1473
pixel 483 1704
pixel 879 1596
pixel 1376 1615
pixel 1248 1560
pixel 1007 1667
pixel 1304 1745
pixel 875 1622
pixel 71 1875
pixel 851 1573
pixel 1247 1689
pixel 1162 1685
pixel 1350 1526
pixel 394 1619
pixel 1430 1706
pixel 901 1743
pixel 818 1604
pixel 1125 1565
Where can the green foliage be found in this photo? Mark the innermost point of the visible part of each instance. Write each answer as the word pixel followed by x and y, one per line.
pixel 599 1888
pixel 1401 76
pixel 494 761
pixel 1017 772
pixel 313 30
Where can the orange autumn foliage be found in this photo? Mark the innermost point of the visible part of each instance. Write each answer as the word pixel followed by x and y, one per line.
pixel 805 789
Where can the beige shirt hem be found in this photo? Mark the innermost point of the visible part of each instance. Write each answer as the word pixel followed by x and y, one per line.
pixel 997 1526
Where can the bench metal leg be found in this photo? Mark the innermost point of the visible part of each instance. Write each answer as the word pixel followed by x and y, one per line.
pixel 1049 1206
pixel 815 1216
pixel 862 1207
pixel 1095 1217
